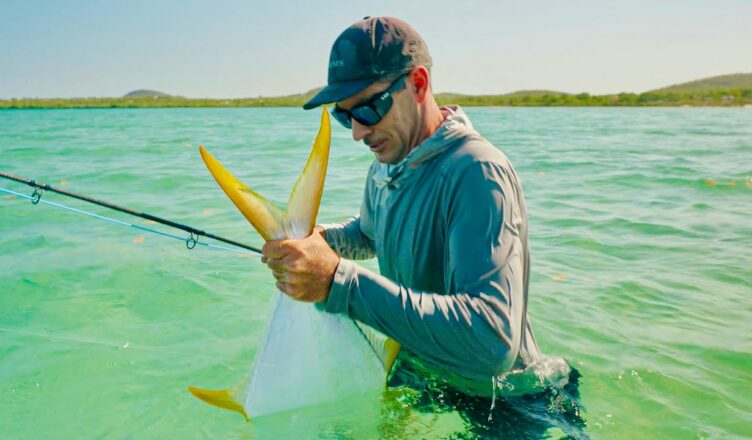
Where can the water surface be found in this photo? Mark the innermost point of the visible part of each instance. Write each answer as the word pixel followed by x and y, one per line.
pixel 641 237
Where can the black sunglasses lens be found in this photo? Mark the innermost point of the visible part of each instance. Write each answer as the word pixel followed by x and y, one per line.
pixel 342 116
pixel 371 112
pixel 366 116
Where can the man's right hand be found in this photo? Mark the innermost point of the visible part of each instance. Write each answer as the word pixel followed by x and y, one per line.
pixel 304 268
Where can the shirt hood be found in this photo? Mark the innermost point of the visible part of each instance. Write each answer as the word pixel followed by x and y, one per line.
pixel 456 125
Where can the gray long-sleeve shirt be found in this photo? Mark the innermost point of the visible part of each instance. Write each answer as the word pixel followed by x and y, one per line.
pixel 449 227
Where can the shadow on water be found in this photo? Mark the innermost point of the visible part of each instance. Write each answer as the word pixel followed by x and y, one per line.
pixel 424 407
pixel 553 412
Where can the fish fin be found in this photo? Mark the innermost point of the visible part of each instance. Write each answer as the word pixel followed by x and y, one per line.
pixel 389 354
pixel 266 218
pixel 305 198
pixel 386 348
pixel 226 399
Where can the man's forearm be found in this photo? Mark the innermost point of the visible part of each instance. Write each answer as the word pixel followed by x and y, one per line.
pixel 348 240
pixel 473 333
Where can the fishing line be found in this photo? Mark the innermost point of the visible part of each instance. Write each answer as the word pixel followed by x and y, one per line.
pixel 191 242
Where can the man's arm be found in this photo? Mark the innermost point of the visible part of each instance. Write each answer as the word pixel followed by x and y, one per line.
pixel 476 330
pixel 348 240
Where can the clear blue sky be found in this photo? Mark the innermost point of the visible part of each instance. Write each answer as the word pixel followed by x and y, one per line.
pixel 231 49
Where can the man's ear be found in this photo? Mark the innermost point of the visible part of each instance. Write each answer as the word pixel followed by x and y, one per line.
pixel 420 82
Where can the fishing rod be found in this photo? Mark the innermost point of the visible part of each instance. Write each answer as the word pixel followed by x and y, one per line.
pixel 190 242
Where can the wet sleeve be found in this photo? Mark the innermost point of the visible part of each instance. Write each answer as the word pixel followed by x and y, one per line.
pixel 348 240
pixel 475 331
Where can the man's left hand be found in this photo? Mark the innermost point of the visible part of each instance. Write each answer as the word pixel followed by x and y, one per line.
pixel 304 268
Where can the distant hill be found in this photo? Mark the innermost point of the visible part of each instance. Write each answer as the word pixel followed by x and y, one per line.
pixel 721 91
pixel 145 93
pixel 535 93
pixel 714 83
pixel 519 93
pixel 305 96
pixel 309 94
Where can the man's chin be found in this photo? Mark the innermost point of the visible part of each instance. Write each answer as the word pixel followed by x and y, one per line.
pixel 385 159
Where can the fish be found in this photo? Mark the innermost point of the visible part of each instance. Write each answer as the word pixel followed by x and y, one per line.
pixel 307 356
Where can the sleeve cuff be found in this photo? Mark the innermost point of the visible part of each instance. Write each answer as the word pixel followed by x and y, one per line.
pixel 345 278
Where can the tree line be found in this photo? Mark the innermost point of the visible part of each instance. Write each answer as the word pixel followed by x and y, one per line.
pixel 714 98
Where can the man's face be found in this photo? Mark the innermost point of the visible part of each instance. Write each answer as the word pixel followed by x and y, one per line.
pixel 391 139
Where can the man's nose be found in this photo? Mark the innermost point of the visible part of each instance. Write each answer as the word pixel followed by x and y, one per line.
pixel 359 131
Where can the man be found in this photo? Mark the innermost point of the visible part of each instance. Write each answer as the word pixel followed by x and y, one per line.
pixel 443 211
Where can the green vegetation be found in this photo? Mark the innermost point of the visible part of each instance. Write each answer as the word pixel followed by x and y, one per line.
pixel 724 91
pixel 150 102
pixel 716 98
pixel 723 82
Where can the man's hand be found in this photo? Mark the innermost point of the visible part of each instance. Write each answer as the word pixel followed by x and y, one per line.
pixel 304 268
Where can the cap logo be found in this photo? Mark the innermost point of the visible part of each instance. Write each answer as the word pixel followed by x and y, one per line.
pixel 336 63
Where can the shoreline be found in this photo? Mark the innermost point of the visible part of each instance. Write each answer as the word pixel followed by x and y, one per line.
pixel 125 107
pixel 732 97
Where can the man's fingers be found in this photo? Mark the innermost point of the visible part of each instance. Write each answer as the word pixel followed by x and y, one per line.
pixel 292 290
pixel 282 287
pixel 274 249
pixel 275 264
pixel 286 264
pixel 279 276
pixel 304 268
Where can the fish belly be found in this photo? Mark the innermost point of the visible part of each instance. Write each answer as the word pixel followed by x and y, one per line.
pixel 310 357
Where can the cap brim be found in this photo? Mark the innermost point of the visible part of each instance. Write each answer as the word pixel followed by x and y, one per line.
pixel 337 92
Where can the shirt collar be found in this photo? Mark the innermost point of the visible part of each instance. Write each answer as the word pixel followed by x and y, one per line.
pixel 455 125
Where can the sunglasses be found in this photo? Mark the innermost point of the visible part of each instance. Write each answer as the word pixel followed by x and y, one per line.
pixel 372 111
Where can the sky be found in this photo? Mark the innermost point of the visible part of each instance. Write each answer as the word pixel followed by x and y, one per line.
pixel 233 49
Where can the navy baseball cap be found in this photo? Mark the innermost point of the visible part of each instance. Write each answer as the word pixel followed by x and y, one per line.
pixel 367 51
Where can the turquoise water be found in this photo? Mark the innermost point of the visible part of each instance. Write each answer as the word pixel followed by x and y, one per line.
pixel 641 233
